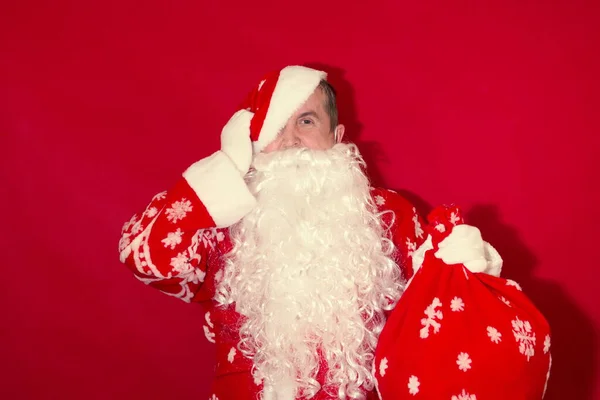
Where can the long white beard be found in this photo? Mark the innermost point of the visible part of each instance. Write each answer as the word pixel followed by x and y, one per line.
pixel 311 270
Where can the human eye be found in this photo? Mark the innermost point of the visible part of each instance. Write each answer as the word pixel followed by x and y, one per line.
pixel 306 121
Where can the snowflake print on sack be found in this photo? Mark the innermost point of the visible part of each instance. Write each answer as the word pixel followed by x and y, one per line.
pixel 231 355
pixel 151 212
pixel 440 228
pixel 418 229
pixel 173 239
pixel 505 301
pixel 179 210
pixel 510 282
pixel 432 314
pixel 464 270
pixel 464 395
pixel 411 247
pixel 379 200
pixel 547 376
pixel 524 336
pixel 383 365
pixel 160 196
pixel 413 385
pixel 457 304
pixel 546 344
pixel 464 362
pixel 494 335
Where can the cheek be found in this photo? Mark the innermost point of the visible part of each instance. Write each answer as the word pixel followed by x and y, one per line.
pixel 269 148
pixel 321 141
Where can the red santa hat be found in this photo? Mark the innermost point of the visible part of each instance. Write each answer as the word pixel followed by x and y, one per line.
pixel 456 334
pixel 276 98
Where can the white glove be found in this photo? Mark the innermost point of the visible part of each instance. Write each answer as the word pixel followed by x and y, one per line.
pixel 236 142
pixel 465 246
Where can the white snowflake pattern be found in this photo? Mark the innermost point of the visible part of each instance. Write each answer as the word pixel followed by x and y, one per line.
pixel 231 355
pixel 173 239
pixel 160 196
pixel 208 320
pixel 413 385
pixel 129 223
pixel 379 200
pixel 505 301
pixel 546 344
pixel 525 336
pixel 418 229
pixel 432 314
pixel 213 397
pixel 440 228
pixel 411 247
pixel 179 210
pixel 210 237
pixel 137 227
pixel 151 212
pixel 383 365
pixel 210 335
pixel 124 242
pixel 464 395
pixel 457 304
pixel 464 270
pixel 181 264
pixel 195 275
pixel 464 362
pixel 510 282
pixel 494 335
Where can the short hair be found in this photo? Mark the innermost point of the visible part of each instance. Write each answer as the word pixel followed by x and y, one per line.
pixel 330 103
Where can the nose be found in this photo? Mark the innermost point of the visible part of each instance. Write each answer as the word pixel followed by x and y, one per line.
pixel 289 138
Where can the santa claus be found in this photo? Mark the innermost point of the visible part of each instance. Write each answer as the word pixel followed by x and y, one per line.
pixel 297 258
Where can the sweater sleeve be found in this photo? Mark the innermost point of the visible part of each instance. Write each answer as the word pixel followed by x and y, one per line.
pixel 168 245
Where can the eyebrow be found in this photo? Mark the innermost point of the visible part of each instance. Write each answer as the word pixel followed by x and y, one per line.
pixel 308 114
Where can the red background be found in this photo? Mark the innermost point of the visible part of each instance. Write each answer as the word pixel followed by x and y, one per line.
pixel 492 105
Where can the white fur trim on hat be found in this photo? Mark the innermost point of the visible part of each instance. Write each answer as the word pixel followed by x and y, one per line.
pixel 294 87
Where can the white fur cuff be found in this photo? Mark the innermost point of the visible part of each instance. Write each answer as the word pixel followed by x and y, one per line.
pixel 217 182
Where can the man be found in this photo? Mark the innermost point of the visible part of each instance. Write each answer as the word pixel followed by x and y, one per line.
pixel 296 257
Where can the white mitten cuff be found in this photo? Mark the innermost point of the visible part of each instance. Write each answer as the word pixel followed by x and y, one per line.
pixel 217 182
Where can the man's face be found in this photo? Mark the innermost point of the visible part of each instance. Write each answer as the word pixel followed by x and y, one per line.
pixel 308 127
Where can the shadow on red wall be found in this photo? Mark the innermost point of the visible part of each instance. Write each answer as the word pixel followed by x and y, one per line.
pixel 574 341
